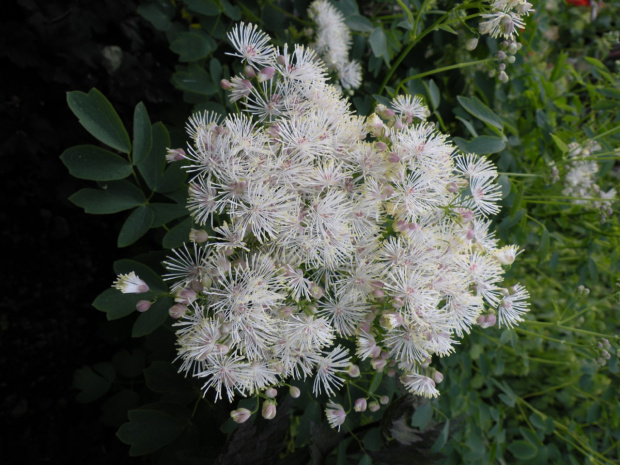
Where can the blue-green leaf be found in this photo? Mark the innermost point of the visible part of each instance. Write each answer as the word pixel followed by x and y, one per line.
pixel 153 318
pixel 94 163
pixel 113 197
pixel 480 111
pixel 203 7
pixel 191 46
pixel 194 79
pixel 136 225
pixel 359 23
pixel 149 430
pixel 99 118
pixel 142 134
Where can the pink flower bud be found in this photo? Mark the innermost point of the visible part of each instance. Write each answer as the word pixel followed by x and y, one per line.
pixel 374 406
pixel 393 157
pixel 295 392
pixel 240 415
pixel 364 326
pixel 491 320
pixel 453 187
pixel 249 72
pixel 384 400
pixel 397 303
pixel 360 405
pixel 271 393
pixel 266 74
pixel 316 291
pixel 175 155
pixel 177 311
pixel 380 146
pixel 353 371
pixel 269 410
pixel 198 236
pixel 143 305
pixel 438 377
pixel 391 372
pixel 378 364
pixel 225 84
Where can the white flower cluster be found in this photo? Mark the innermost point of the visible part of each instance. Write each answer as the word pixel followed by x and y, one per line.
pixel 580 179
pixel 328 226
pixel 505 18
pixel 332 43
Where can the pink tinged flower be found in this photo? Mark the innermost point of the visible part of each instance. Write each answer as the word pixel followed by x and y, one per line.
pixel 269 410
pixel 143 305
pixel 175 155
pixel 295 392
pixel 438 377
pixel 249 72
pixel 130 284
pixel 177 311
pixel 335 415
pixel 240 415
pixel 271 393
pixel 374 406
pixel 360 405
pixel 378 364
pixel 225 84
pixel 384 400
pixel 419 385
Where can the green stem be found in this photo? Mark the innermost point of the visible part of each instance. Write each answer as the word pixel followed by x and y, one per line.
pixel 547 338
pixel 567 328
pixel 446 68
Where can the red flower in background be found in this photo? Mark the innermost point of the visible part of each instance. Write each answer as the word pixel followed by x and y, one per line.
pixel 579 2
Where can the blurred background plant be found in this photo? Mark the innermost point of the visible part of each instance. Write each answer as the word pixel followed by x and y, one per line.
pixel 546 392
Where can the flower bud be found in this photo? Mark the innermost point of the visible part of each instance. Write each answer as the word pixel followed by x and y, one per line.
pixel 316 291
pixel 471 44
pixel 438 377
pixel 295 392
pixel 503 77
pixel 269 410
pixel 175 155
pixel 384 400
pixel 374 406
pixel 378 364
pixel 375 126
pixel 225 84
pixel 198 236
pixel 360 405
pixel 266 74
pixel 143 305
pixel 353 371
pixel 249 72
pixel 271 393
pixel 240 415
pixel 177 311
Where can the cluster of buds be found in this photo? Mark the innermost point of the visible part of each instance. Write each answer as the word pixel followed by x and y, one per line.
pixel 506 54
pixel 604 352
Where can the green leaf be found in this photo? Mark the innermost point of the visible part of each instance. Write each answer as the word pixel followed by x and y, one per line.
pixel 376 382
pixel 94 163
pixel 156 15
pixel 215 69
pixel 173 179
pixel 142 134
pixel 504 184
pixel 116 304
pixel 203 7
pixel 154 280
pixel 178 234
pixel 365 460
pixel 560 143
pixel 152 168
pixel 113 197
pixel 434 94
pixel 99 118
pixel 232 11
pixel 516 204
pixel 378 42
pixel 153 318
pixel 129 365
pixel 149 430
pixel 163 377
pixel 422 416
pixel 92 385
pixel 480 111
pixel 442 439
pixel 136 225
pixel 523 450
pixel 543 248
pixel 194 79
pixel 115 408
pixel 484 145
pixel 191 46
pixel 359 23
pixel 166 212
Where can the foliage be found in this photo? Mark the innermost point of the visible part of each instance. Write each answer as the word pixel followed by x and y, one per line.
pixel 547 392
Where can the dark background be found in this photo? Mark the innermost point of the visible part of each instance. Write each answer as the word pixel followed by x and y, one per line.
pixel 57 259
